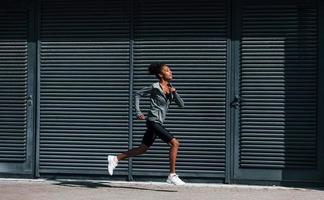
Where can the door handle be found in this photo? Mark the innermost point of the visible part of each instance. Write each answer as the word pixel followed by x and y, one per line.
pixel 236 102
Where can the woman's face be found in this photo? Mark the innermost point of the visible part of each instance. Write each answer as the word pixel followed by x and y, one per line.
pixel 166 73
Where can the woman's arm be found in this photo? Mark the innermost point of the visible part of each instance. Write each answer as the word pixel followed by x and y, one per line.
pixel 177 97
pixel 137 95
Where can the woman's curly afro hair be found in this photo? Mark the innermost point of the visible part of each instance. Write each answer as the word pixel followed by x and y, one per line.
pixel 156 68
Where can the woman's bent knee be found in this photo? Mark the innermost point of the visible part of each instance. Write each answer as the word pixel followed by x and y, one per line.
pixel 174 143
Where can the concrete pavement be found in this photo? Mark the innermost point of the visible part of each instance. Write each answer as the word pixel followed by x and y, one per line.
pixel 67 189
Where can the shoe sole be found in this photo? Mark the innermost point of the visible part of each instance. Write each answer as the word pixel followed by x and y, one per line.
pixel 168 181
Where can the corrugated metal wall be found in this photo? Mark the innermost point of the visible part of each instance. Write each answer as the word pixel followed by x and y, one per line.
pixel 191 37
pixel 84 88
pixel 94 54
pixel 13 83
pixel 278 121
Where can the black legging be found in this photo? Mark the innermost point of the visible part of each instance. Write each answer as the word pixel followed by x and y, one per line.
pixel 155 129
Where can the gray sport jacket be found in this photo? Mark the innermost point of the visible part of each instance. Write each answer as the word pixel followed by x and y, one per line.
pixel 159 102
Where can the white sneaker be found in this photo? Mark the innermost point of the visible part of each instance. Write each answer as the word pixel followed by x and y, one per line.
pixel 112 164
pixel 174 179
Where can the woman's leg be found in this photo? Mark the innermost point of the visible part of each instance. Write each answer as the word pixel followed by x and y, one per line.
pixel 113 160
pixel 174 146
pixel 173 178
pixel 147 141
pixel 133 152
pixel 167 137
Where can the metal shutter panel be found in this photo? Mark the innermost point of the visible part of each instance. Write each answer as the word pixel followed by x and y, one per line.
pixel 13 83
pixel 191 37
pixel 84 88
pixel 279 85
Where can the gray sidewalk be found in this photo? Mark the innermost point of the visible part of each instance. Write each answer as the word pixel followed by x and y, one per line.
pixel 64 189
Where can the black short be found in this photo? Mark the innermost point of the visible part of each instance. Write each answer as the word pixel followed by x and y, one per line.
pixel 153 130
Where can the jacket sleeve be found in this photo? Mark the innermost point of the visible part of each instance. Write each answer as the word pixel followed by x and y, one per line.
pixel 178 100
pixel 137 95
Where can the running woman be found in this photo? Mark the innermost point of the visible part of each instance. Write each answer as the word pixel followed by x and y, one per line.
pixel 161 95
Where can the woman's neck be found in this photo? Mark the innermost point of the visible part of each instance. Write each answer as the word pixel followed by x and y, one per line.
pixel 164 82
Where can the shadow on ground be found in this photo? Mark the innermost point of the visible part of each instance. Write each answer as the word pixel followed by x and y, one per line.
pixel 94 185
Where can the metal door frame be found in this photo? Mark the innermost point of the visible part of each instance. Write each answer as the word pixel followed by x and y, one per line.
pixel 273 176
pixel 27 168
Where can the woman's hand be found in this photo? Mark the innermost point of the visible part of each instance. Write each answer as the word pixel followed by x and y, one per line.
pixel 172 89
pixel 141 117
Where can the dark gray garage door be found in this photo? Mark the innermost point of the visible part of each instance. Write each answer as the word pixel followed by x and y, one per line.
pixel 84 88
pixel 16 116
pixel 191 36
pixel 278 137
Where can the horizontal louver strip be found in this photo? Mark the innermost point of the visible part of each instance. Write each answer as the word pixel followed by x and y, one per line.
pixel 84 85
pixel 191 37
pixel 13 84
pixel 279 86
